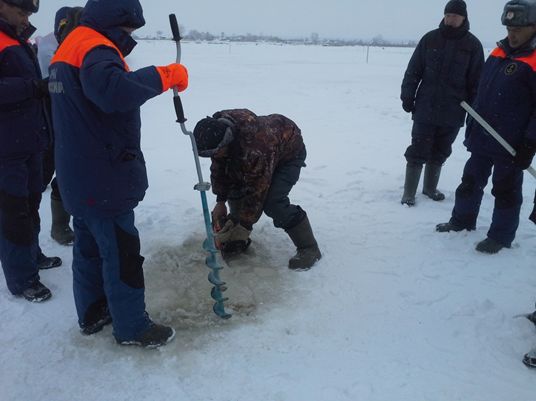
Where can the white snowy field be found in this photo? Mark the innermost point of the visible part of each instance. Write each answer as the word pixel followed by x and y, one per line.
pixel 393 311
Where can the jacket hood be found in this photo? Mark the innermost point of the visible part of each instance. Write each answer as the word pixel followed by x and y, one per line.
pixel 104 15
pixel 454 33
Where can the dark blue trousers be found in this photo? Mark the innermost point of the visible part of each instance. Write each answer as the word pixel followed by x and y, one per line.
pixel 430 144
pixel 107 266
pixel 507 182
pixel 20 195
pixel 277 203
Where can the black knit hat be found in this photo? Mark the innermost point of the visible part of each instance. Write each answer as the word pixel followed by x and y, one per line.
pixel 211 134
pixel 31 6
pixel 456 7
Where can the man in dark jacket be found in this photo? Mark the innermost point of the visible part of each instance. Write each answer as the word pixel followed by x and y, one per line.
pixel 507 101
pixel 23 137
pixel 100 167
pixel 65 21
pixel 256 160
pixel 443 71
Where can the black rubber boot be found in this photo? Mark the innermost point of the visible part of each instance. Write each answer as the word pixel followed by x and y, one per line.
pixel 530 359
pixel 532 317
pixel 155 336
pixel 97 316
pixel 48 262
pixel 36 292
pixel 307 248
pixel 60 231
pixel 490 246
pixel 413 175
pixel 448 227
pixel 431 178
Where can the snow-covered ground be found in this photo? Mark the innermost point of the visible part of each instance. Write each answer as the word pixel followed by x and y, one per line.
pixel 393 311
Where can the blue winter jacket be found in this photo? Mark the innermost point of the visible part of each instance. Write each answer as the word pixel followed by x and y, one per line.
pixel 506 99
pixel 23 127
pixel 96 112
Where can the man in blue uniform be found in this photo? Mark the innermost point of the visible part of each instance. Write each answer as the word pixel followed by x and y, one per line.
pixel 100 167
pixel 23 137
pixel 506 99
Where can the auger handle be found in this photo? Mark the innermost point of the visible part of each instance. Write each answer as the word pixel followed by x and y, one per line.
pixel 174 28
pixel 177 103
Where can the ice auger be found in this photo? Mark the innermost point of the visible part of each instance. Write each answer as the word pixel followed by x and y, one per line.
pixel 211 260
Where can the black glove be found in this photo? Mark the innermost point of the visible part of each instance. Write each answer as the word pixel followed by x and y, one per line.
pixel 408 105
pixel 524 155
pixel 40 88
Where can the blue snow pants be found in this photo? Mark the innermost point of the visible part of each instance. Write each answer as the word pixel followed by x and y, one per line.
pixel 20 195
pixel 430 144
pixel 107 266
pixel 277 203
pixel 507 181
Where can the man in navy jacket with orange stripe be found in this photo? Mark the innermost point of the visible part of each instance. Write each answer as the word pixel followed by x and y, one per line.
pixel 506 99
pixel 100 167
pixel 23 137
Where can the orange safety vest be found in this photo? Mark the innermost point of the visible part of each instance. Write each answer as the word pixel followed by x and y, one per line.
pixel 530 60
pixel 79 43
pixel 7 41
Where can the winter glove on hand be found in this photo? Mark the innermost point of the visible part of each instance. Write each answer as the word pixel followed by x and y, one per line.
pixel 232 232
pixel 408 105
pixel 40 88
pixel 173 75
pixel 219 214
pixel 524 155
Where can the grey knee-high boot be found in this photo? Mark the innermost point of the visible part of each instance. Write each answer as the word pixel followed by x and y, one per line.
pixel 60 231
pixel 306 246
pixel 431 178
pixel 413 175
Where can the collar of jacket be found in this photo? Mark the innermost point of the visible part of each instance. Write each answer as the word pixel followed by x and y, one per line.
pixel 449 32
pixel 119 37
pixel 522 51
pixel 10 31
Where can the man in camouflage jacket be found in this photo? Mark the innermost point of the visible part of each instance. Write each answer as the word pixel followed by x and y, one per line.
pixel 256 160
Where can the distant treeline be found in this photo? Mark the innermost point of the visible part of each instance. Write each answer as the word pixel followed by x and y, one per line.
pixel 314 39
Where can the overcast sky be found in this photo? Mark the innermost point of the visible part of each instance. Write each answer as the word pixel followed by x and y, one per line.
pixel 350 19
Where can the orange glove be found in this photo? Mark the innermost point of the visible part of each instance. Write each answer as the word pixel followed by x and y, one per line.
pixel 173 75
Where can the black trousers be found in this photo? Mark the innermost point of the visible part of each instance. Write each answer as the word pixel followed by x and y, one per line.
pixel 430 144
pixel 277 204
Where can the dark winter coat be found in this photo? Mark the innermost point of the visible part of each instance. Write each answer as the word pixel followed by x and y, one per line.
pixel 506 100
pixel 23 127
pixel 443 71
pixel 261 144
pixel 96 103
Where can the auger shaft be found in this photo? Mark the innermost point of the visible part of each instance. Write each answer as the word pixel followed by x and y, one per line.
pixel 211 260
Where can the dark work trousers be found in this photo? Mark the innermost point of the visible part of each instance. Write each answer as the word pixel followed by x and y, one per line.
pixel 507 181
pixel 430 144
pixel 48 173
pixel 277 204
pixel 20 194
pixel 107 265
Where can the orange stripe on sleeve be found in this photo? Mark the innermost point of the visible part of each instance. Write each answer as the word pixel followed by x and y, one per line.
pixel 498 52
pixel 530 60
pixel 7 41
pixel 79 43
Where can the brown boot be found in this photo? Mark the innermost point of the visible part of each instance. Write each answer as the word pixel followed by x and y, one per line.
pixel 307 248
